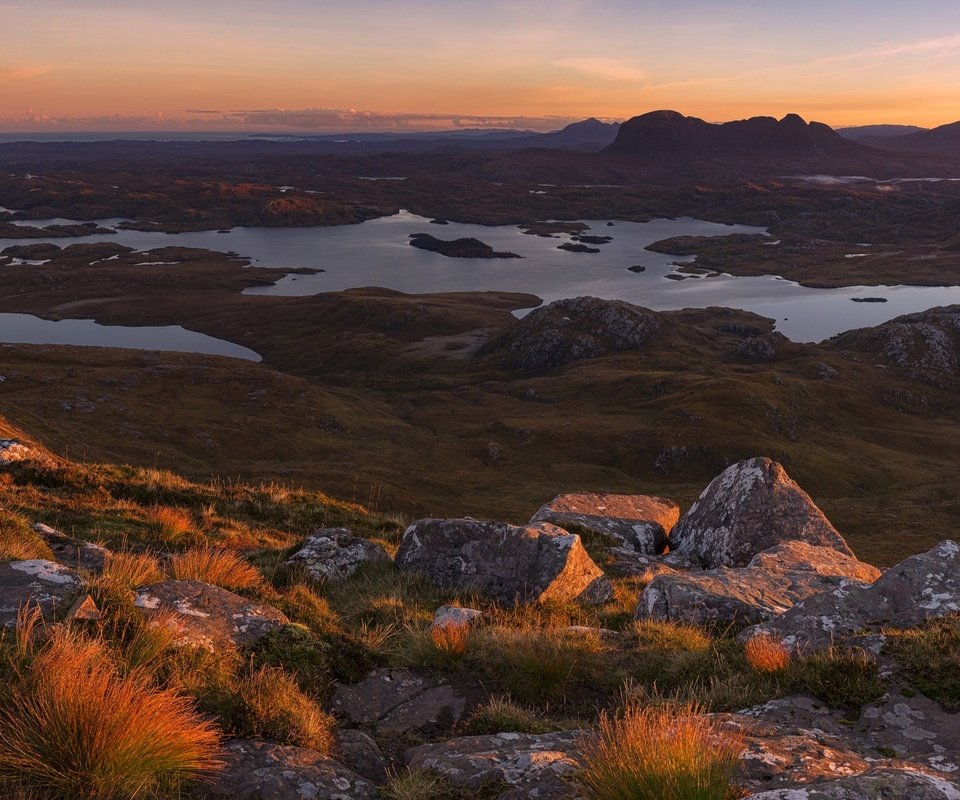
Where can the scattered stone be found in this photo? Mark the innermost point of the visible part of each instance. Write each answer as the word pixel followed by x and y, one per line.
pixel 456 616
pixel 256 770
pixel 750 507
pixel 922 587
pixel 528 564
pixel 771 583
pixel 393 702
pixel 208 616
pixel 639 522
pixel 37 582
pixel 85 609
pixel 334 554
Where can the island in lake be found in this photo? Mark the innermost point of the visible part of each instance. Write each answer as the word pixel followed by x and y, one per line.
pixel 467 247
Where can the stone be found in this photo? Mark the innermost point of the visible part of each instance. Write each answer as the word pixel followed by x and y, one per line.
pixel 74 553
pixel 769 585
pixel 392 702
pixel 750 507
pixel 638 522
pixel 922 587
pixel 456 616
pixel 37 582
pixel 334 554
pixel 882 783
pixel 256 770
pixel 357 751
pixel 208 616
pixel 534 765
pixel 13 451
pixel 528 564
pixel 84 609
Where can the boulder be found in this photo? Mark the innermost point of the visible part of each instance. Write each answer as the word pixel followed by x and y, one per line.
pixel 255 770
pixel 74 553
pixel 771 583
pixel 750 507
pixel 357 751
pixel 534 765
pixel 392 702
pixel 44 584
pixel 12 451
pixel 456 616
pixel 902 782
pixel 922 587
pixel 334 554
pixel 207 616
pixel 533 563
pixel 638 522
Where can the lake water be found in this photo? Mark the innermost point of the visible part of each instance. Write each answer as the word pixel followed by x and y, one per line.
pixel 378 253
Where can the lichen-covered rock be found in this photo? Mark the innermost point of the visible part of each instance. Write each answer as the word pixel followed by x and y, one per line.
pixel 12 451
pixel 456 616
pixel 883 783
pixel 760 349
pixel 639 522
pixel 256 770
pixel 528 564
pixel 924 586
pixel 357 751
pixel 334 554
pixel 43 584
pixel 750 507
pixel 207 616
pixel 568 330
pixel 533 764
pixel 74 553
pixel 771 583
pixel 392 702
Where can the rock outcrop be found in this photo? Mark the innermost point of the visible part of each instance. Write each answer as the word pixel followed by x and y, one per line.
pixel 567 330
pixel 750 507
pixel 43 584
pixel 639 522
pixel 71 552
pixel 511 564
pixel 334 554
pixel 877 784
pixel 207 616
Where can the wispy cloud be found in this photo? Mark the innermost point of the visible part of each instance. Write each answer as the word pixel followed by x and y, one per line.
pixel 942 44
pixel 22 73
pixel 613 69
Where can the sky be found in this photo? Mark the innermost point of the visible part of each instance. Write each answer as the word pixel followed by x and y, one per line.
pixel 332 65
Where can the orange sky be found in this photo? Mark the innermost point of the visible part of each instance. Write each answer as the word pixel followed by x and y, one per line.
pixel 112 65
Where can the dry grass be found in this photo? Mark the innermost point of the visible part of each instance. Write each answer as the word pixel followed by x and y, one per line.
pixel 17 541
pixel 659 753
pixel 74 727
pixel 132 570
pixel 501 715
pixel 172 525
pixel 767 654
pixel 220 567
pixel 450 640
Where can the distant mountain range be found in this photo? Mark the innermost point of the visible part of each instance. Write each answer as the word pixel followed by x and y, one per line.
pixel 868 132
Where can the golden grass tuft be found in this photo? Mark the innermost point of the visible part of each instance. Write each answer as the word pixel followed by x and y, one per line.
pixel 172 524
pixel 659 753
pixel 767 654
pixel 131 570
pixel 220 567
pixel 17 541
pixel 75 727
pixel 450 640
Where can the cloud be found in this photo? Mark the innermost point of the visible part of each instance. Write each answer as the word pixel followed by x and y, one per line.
pixel 941 44
pixel 24 73
pixel 613 69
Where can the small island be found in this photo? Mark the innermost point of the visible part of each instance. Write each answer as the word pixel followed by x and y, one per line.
pixel 570 247
pixel 869 299
pixel 467 247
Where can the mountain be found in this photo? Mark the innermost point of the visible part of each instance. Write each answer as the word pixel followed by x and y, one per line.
pixel 586 135
pixel 866 133
pixel 944 140
pixel 668 133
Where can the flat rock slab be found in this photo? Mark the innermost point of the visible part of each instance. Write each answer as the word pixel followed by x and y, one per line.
pixel 769 585
pixel 922 587
pixel 533 764
pixel 334 554
pixel 73 553
pixel 208 616
pixel 534 563
pixel 750 507
pixel 257 770
pixel 398 701
pixel 44 584
pixel 884 783
pixel 638 522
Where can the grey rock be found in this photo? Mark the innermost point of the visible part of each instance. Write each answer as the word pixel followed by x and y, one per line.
pixel 74 553
pixel 357 751
pixel 334 554
pixel 638 522
pixel 256 770
pixel 456 616
pixel 883 783
pixel 13 451
pixel 533 764
pixel 207 616
pixel 392 702
pixel 508 563
pixel 760 349
pixel 44 584
pixel 750 507
pixel 922 587
pixel 770 584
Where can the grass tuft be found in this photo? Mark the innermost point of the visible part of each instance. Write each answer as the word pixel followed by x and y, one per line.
pixel 930 655
pixel 172 525
pixel 223 568
pixel 17 541
pixel 131 570
pixel 767 654
pixel 501 715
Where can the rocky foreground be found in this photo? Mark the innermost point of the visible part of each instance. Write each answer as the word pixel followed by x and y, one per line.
pixel 753 555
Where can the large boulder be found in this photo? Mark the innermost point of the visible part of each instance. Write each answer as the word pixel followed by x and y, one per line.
pixel 534 765
pixel 43 584
pixel 334 554
pixel 922 587
pixel 902 782
pixel 533 563
pixel 637 521
pixel 255 770
pixel 207 616
pixel 771 583
pixel 750 507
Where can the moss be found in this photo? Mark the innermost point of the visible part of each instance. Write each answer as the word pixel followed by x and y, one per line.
pixel 843 679
pixel 929 657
